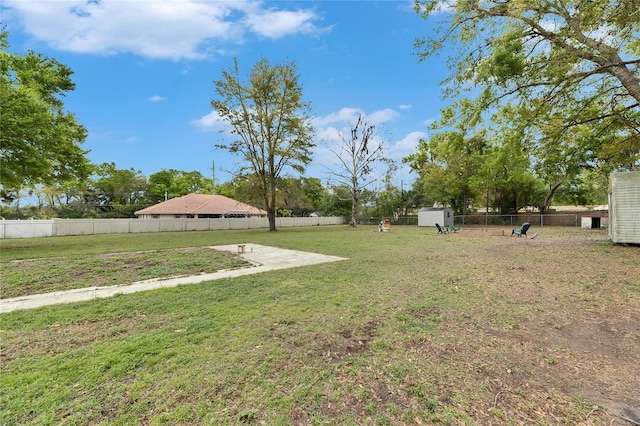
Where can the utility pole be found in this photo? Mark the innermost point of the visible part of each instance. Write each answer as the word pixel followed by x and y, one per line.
pixel 213 177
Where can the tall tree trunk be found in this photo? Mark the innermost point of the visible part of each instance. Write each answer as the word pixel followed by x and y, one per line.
pixel 271 205
pixel 547 199
pixel 354 211
pixel 271 216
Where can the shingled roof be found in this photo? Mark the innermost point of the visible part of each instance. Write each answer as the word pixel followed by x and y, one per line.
pixel 196 204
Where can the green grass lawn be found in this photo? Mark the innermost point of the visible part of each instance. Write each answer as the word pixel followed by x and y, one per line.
pixel 22 277
pixel 415 328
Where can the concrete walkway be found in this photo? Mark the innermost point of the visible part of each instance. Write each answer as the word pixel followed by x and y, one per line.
pixel 264 258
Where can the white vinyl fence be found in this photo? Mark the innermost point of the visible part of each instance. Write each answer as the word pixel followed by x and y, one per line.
pixel 60 227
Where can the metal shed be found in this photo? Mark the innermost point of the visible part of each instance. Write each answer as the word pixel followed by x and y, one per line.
pixel 624 207
pixel 429 216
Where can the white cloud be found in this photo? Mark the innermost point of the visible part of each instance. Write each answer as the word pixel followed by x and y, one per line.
pixel 405 106
pixel 179 29
pixel 429 121
pixel 549 24
pixel 604 33
pixel 347 116
pixel 406 145
pixel 157 98
pixel 273 23
pixel 342 117
pixel 210 122
pixel 383 116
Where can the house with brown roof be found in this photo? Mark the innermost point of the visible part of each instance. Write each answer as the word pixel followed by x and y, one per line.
pixel 199 206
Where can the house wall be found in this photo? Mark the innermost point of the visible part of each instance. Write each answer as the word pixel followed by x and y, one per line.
pixel 624 207
pixel 62 227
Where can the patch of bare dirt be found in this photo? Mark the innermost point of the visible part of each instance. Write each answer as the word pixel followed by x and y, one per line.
pixel 350 342
pixel 578 333
pixel 593 357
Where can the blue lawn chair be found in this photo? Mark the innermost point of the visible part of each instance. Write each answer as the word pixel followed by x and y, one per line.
pixel 522 230
pixel 453 228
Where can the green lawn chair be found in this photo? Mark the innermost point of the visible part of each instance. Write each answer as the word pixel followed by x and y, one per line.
pixel 441 230
pixel 453 228
pixel 522 230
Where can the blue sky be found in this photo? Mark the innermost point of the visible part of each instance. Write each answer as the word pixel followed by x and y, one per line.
pixel 144 71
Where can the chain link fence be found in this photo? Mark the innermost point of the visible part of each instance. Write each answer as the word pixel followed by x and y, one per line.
pixel 553 219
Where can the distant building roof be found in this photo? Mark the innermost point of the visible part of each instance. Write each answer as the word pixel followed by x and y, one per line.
pixel 579 208
pixel 201 204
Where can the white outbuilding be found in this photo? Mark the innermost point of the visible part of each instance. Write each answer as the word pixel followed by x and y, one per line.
pixel 624 207
pixel 429 216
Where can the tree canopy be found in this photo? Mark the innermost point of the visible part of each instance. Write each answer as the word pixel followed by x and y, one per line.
pixel 271 123
pixel 39 141
pixel 561 77
pixel 543 49
pixel 176 183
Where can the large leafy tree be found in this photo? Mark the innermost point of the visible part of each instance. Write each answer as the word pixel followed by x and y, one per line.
pixel 449 163
pixel 544 48
pixel 566 72
pixel 119 192
pixel 271 123
pixel 315 192
pixel 486 168
pixel 448 166
pixel 388 200
pixel 301 196
pixel 39 141
pixel 176 183
pixel 338 203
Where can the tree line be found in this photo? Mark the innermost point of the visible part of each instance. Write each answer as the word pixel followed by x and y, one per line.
pixel 111 192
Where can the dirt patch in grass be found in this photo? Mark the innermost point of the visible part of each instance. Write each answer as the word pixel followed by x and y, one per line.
pixel 590 356
pixel 556 331
pixel 34 276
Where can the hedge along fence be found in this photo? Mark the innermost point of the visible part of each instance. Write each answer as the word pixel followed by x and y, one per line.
pixel 557 219
pixel 61 227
